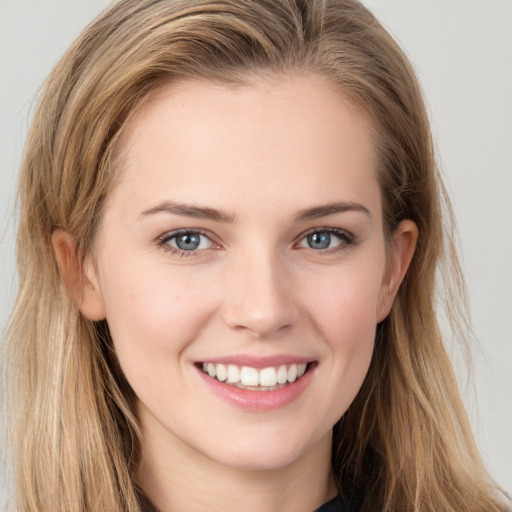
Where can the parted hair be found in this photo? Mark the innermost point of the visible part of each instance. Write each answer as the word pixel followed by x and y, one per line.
pixel 405 443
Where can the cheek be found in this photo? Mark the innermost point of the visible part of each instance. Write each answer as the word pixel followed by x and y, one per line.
pixel 343 310
pixel 153 314
pixel 344 302
pixel 348 325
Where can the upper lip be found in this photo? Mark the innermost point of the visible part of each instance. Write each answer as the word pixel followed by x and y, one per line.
pixel 259 361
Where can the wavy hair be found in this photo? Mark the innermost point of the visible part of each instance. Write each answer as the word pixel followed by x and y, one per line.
pixel 405 443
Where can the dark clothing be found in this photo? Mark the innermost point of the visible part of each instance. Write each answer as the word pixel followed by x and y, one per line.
pixel 334 505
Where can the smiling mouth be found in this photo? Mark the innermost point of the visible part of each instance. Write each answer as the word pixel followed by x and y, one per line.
pixel 253 379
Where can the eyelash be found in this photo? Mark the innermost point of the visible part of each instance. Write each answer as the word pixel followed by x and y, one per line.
pixel 346 239
pixel 163 241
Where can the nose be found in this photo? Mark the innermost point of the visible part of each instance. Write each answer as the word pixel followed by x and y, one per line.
pixel 259 296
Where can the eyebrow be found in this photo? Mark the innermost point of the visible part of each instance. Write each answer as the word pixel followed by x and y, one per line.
pixel 202 212
pixel 318 212
pixel 187 210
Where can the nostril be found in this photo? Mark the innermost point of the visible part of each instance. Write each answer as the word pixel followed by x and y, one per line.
pixel 258 298
pixel 258 322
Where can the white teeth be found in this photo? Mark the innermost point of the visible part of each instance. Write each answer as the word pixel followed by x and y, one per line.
pixel 212 370
pixel 268 377
pixel 252 377
pixel 282 375
pixel 249 376
pixel 222 372
pixel 292 373
pixel 233 374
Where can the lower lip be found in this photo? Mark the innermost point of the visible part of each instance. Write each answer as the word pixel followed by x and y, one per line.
pixel 259 400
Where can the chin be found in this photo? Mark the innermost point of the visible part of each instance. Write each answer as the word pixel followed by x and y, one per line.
pixel 263 453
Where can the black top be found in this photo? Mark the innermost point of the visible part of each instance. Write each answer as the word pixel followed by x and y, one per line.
pixel 334 505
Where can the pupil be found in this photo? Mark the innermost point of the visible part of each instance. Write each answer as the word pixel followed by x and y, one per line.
pixel 319 240
pixel 188 242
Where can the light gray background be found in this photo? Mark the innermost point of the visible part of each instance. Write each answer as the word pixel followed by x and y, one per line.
pixel 462 50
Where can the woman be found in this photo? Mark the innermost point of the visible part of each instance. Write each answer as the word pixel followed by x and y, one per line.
pixel 230 227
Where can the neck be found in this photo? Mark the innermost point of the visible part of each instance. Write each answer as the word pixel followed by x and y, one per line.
pixel 176 478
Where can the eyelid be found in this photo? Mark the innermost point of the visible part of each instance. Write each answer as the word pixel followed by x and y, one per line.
pixel 346 237
pixel 162 240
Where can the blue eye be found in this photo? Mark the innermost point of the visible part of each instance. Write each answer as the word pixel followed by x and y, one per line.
pixel 325 239
pixel 186 241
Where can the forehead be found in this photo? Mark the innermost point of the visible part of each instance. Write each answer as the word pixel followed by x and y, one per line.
pixel 292 136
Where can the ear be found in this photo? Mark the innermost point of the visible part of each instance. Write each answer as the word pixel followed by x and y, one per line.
pixel 402 251
pixel 78 276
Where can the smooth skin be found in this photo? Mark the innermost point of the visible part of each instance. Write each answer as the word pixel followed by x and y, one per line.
pixel 275 182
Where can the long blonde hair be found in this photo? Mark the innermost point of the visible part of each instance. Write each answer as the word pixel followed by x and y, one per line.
pixel 405 443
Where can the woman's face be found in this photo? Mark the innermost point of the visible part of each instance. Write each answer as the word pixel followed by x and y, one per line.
pixel 244 238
